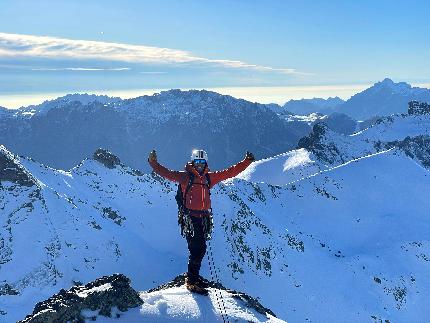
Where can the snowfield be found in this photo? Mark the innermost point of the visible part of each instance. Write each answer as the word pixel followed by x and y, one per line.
pixel 337 232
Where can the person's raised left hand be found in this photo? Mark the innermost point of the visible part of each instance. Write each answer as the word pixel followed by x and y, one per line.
pixel 249 155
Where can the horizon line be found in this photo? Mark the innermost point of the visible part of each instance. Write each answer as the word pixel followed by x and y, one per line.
pixel 260 94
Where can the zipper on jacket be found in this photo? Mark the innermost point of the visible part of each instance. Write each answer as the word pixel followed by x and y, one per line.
pixel 203 194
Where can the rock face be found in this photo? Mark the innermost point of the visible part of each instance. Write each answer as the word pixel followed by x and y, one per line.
pixel 100 295
pixel 12 171
pixel 316 143
pixel 106 158
pixel 415 147
pixel 416 107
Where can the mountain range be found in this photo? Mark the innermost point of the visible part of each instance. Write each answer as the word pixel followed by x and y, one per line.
pixel 61 132
pixel 335 230
pixel 382 99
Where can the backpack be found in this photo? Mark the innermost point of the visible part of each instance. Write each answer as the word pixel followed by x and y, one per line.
pixel 184 220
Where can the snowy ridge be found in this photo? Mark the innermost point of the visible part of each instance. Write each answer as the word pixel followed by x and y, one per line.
pixel 323 149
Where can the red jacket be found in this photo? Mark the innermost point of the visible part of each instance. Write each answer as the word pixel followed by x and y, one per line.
pixel 198 197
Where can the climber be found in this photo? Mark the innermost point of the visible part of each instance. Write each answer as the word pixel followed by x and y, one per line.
pixel 195 184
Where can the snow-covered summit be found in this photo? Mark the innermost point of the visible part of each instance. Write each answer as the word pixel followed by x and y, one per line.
pixel 112 299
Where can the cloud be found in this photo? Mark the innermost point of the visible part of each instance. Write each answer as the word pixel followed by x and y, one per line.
pixel 81 69
pixel 17 45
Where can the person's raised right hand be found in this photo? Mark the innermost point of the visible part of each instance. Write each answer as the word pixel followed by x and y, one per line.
pixel 152 156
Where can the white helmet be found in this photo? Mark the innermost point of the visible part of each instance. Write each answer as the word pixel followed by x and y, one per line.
pixel 199 154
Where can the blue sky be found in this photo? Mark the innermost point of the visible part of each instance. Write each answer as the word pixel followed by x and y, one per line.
pixel 277 47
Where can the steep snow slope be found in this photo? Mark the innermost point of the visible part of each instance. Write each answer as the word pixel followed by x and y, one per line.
pixel 284 168
pixel 345 240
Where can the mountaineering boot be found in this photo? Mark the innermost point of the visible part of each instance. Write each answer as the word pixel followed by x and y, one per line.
pixel 193 287
pixel 201 282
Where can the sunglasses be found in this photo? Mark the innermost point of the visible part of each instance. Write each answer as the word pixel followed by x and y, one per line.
pixel 199 161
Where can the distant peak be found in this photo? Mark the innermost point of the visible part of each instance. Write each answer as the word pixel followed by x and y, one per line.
pixel 390 84
pixel 387 81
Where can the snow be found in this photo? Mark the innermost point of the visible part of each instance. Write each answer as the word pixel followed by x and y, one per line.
pixel 96 289
pixel 283 168
pixel 179 305
pixel 309 118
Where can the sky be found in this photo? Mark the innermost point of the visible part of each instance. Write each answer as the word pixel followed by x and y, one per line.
pixel 265 51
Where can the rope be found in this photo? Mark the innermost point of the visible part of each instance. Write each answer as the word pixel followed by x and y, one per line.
pixel 215 278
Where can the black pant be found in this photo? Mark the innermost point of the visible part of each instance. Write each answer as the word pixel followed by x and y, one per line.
pixel 197 248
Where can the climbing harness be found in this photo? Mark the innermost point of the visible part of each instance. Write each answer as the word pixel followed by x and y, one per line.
pixel 184 220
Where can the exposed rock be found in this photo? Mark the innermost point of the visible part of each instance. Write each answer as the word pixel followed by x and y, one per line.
pixel 113 215
pixel 249 301
pixel 100 295
pixel 315 142
pixel 6 289
pixel 12 171
pixel 415 147
pixel 106 158
pixel 416 107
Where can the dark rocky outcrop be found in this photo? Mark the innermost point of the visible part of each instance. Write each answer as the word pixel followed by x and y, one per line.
pixel 249 301
pixel 417 108
pixel 106 158
pixel 316 143
pixel 6 289
pixel 415 147
pixel 100 295
pixel 11 171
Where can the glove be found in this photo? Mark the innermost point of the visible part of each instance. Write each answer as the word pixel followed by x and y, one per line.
pixel 249 155
pixel 152 156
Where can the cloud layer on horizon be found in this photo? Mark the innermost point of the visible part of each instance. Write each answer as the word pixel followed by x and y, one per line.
pixel 30 46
